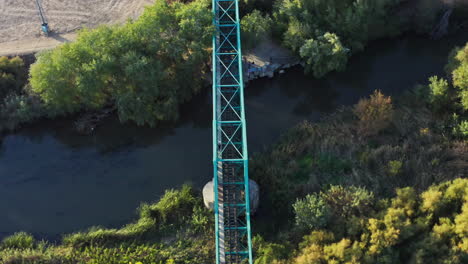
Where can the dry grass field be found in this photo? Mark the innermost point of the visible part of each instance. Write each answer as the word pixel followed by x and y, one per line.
pixel 20 23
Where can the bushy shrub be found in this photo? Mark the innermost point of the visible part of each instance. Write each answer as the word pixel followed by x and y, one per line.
pixel 394 167
pixel 327 163
pixel 375 113
pixel 426 228
pixel 311 212
pixel 324 54
pixel 351 24
pixel 461 129
pixel 18 109
pixel 255 28
pixel 268 253
pixel 19 240
pixel 12 75
pixel 460 75
pixel 347 201
pixel 173 211
pixel 142 67
pixel 438 93
pixel 333 208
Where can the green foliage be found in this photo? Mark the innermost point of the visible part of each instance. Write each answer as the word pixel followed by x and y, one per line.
pixel 17 104
pixel 439 93
pixel 189 251
pixel 324 54
pixel 255 28
pixel 19 240
pixel 268 253
pixel 201 219
pixel 461 129
pixel 174 210
pixel 327 163
pixel 141 67
pixel 395 167
pixel 324 163
pixel 174 207
pixel 12 76
pixel 458 64
pixel 426 228
pixel 337 208
pixel 347 201
pixel 18 109
pixel 311 212
pixel 375 113
pixel 311 156
pixel 351 24
pixel 169 231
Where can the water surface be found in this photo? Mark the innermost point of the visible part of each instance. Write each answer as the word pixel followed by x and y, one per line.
pixel 53 181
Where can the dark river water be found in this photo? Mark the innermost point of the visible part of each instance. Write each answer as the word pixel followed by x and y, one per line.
pixel 53 181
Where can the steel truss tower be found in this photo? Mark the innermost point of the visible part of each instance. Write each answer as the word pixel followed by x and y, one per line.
pixel 230 159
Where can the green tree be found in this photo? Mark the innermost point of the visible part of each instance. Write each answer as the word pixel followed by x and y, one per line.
pixel 438 93
pixel 311 212
pixel 12 75
pixel 460 76
pixel 324 54
pixel 255 28
pixel 350 24
pixel 141 67
pixel 428 228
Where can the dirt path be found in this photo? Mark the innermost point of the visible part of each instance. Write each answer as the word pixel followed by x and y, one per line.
pixel 21 47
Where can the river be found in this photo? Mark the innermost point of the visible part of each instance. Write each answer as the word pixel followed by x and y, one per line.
pixel 54 181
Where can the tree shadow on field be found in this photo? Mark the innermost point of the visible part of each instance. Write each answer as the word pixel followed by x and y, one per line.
pixel 58 37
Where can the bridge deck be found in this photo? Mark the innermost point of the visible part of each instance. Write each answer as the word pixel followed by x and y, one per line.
pixel 230 159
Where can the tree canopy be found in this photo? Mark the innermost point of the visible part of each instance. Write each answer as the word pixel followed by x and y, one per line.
pixel 323 31
pixel 142 67
pixel 431 227
pixel 459 70
pixel 12 75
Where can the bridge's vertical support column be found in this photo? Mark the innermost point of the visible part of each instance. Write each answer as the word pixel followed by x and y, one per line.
pixel 230 157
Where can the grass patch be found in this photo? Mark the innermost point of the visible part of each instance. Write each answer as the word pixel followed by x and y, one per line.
pixel 176 229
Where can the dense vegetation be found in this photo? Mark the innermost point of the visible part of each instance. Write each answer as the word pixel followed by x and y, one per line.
pixel 332 192
pixel 256 27
pixel 325 33
pixel 334 178
pixel 378 143
pixel 141 68
pixel 431 227
pixel 137 66
pixel 342 225
pixel 17 105
pixel 176 229
pixel 12 75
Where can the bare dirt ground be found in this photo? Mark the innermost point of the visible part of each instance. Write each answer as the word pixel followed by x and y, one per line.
pixel 20 23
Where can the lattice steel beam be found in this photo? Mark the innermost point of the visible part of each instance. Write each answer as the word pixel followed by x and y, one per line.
pixel 230 158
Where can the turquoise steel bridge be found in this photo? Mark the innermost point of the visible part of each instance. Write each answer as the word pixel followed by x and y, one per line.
pixel 230 159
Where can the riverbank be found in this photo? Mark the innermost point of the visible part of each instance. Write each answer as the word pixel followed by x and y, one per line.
pixel 176 229
pixel 125 164
pixel 404 155
pixel 409 150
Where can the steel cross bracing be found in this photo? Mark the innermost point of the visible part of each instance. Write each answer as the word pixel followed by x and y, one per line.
pixel 230 159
